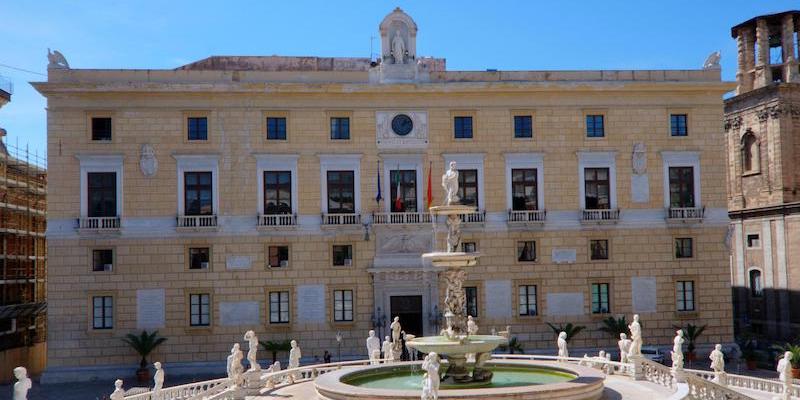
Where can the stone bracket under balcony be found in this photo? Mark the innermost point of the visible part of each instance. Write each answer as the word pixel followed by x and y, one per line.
pixel 526 217
pixel 604 216
pixel 195 223
pixel 685 215
pixel 266 222
pixel 99 224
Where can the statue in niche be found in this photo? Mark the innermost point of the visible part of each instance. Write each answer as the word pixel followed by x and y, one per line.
pixel 398 48
pixel 639 159
pixel 147 161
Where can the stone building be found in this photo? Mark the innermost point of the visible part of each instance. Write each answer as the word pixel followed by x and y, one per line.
pixel 762 127
pixel 240 193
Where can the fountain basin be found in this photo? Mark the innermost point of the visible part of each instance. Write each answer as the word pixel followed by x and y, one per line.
pixel 442 346
pixel 513 379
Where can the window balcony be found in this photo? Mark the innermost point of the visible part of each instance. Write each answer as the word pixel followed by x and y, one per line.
pixel 401 218
pixel 197 222
pixel 685 214
pixel 600 216
pixel 340 219
pixel 526 217
pixel 478 217
pixel 98 224
pixel 276 220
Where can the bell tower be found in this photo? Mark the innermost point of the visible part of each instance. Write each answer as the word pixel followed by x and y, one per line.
pixel 767 50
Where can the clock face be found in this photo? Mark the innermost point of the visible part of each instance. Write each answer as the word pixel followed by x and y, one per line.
pixel 402 124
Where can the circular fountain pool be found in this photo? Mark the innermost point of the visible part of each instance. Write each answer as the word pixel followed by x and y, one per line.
pixel 517 379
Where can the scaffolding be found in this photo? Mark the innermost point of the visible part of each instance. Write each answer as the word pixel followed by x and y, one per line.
pixel 23 249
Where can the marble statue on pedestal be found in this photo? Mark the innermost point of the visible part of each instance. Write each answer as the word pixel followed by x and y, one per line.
pixel 275 367
pixel 235 368
pixel 717 358
pixel 24 384
pixel 396 329
pixel 636 337
pixel 563 353
pixel 386 348
pixel 252 343
pixel 450 185
pixel 118 394
pixel 398 48
pixel 158 377
pixel 430 384
pixel 373 346
pixel 677 350
pixel 785 375
pixel 294 360
pixel 624 347
pixel 472 327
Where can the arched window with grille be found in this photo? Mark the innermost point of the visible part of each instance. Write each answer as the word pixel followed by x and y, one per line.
pixel 750 153
pixel 756 284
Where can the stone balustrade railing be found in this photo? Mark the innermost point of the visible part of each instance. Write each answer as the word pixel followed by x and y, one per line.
pixel 197 221
pixel 653 372
pixel 702 389
pixel 526 217
pixel 273 220
pixel 180 392
pixel 401 218
pixel 749 382
pixel 341 219
pixel 98 223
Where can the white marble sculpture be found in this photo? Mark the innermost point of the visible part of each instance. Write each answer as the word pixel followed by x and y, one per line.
pixel 252 343
pixel 472 327
pixel 450 185
pixel 275 367
pixel 23 383
pixel 148 163
pixel 677 350
pixel 712 61
pixel 785 375
pixel 56 60
pixel 386 348
pixel 608 369
pixel 373 346
pixel 396 329
pixel 234 367
pixel 412 354
pixel 624 347
pixel 430 383
pixel 118 394
pixel 636 337
pixel 294 357
pixel 717 358
pixel 563 353
pixel 398 48
pixel 158 377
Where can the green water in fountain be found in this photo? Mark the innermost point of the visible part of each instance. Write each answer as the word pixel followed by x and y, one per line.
pixel 410 378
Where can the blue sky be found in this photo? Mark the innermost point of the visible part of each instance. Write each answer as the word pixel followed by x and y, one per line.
pixel 471 35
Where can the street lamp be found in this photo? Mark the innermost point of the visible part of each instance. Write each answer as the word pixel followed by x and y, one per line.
pixel 339 344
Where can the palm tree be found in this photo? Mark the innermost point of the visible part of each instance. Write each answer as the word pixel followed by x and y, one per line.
pixel 143 344
pixel 571 330
pixel 275 347
pixel 615 326
pixel 691 333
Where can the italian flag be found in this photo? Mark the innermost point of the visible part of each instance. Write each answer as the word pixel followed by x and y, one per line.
pixel 398 201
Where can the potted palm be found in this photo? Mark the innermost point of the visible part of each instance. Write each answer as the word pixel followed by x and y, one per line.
pixel 570 329
pixel 276 347
pixel 143 344
pixel 690 334
pixel 615 326
pixel 749 354
pixel 795 350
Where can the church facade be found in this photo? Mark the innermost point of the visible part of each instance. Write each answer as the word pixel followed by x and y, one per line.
pixel 288 195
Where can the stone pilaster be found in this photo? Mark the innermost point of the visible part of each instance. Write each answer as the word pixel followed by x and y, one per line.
pixel 744 44
pixel 763 77
pixel 787 40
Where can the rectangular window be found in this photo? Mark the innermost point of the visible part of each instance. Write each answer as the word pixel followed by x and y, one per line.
pixel 102 193
pixel 685 295
pixel 278 256
pixel 276 128
pixel 598 249
pixel 342 305
pixel 468 187
pixel 462 127
pixel 197 128
pixel 681 187
pixel 279 307
pixel 523 126
pixel 102 312
pixel 407 201
pixel 277 192
pixel 199 257
pixel 600 303
pixel 527 300
pixel 683 248
pixel 595 126
pixel 469 247
pixel 198 193
pixel 102 260
pixel 101 128
pixel 677 125
pixel 526 251
pixel 524 189
pixel 471 293
pixel 340 128
pixel 597 188
pixel 200 309
pixel 753 240
pixel 341 192
pixel 342 255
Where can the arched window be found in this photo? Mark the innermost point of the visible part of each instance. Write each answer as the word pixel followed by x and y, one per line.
pixel 750 153
pixel 756 286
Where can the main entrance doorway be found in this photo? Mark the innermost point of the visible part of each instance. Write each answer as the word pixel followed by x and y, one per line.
pixel 409 309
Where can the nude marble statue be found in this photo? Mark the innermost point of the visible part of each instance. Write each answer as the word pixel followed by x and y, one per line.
pixel 23 383
pixel 636 336
pixel 252 343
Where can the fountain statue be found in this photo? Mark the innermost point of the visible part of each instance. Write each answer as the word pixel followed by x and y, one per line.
pixel 252 342
pixel 24 383
pixel 386 348
pixel 563 353
pixel 677 351
pixel 412 355
pixel 785 375
pixel 373 348
pixel 235 368
pixel 624 347
pixel 459 337
pixel 636 337
pixel 717 358
pixel 430 384
pixel 294 358
pixel 118 394
pixel 158 378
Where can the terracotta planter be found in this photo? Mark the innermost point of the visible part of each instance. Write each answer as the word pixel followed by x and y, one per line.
pixel 751 364
pixel 143 375
pixel 796 373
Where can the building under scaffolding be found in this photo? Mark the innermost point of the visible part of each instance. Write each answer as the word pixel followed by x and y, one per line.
pixel 23 258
